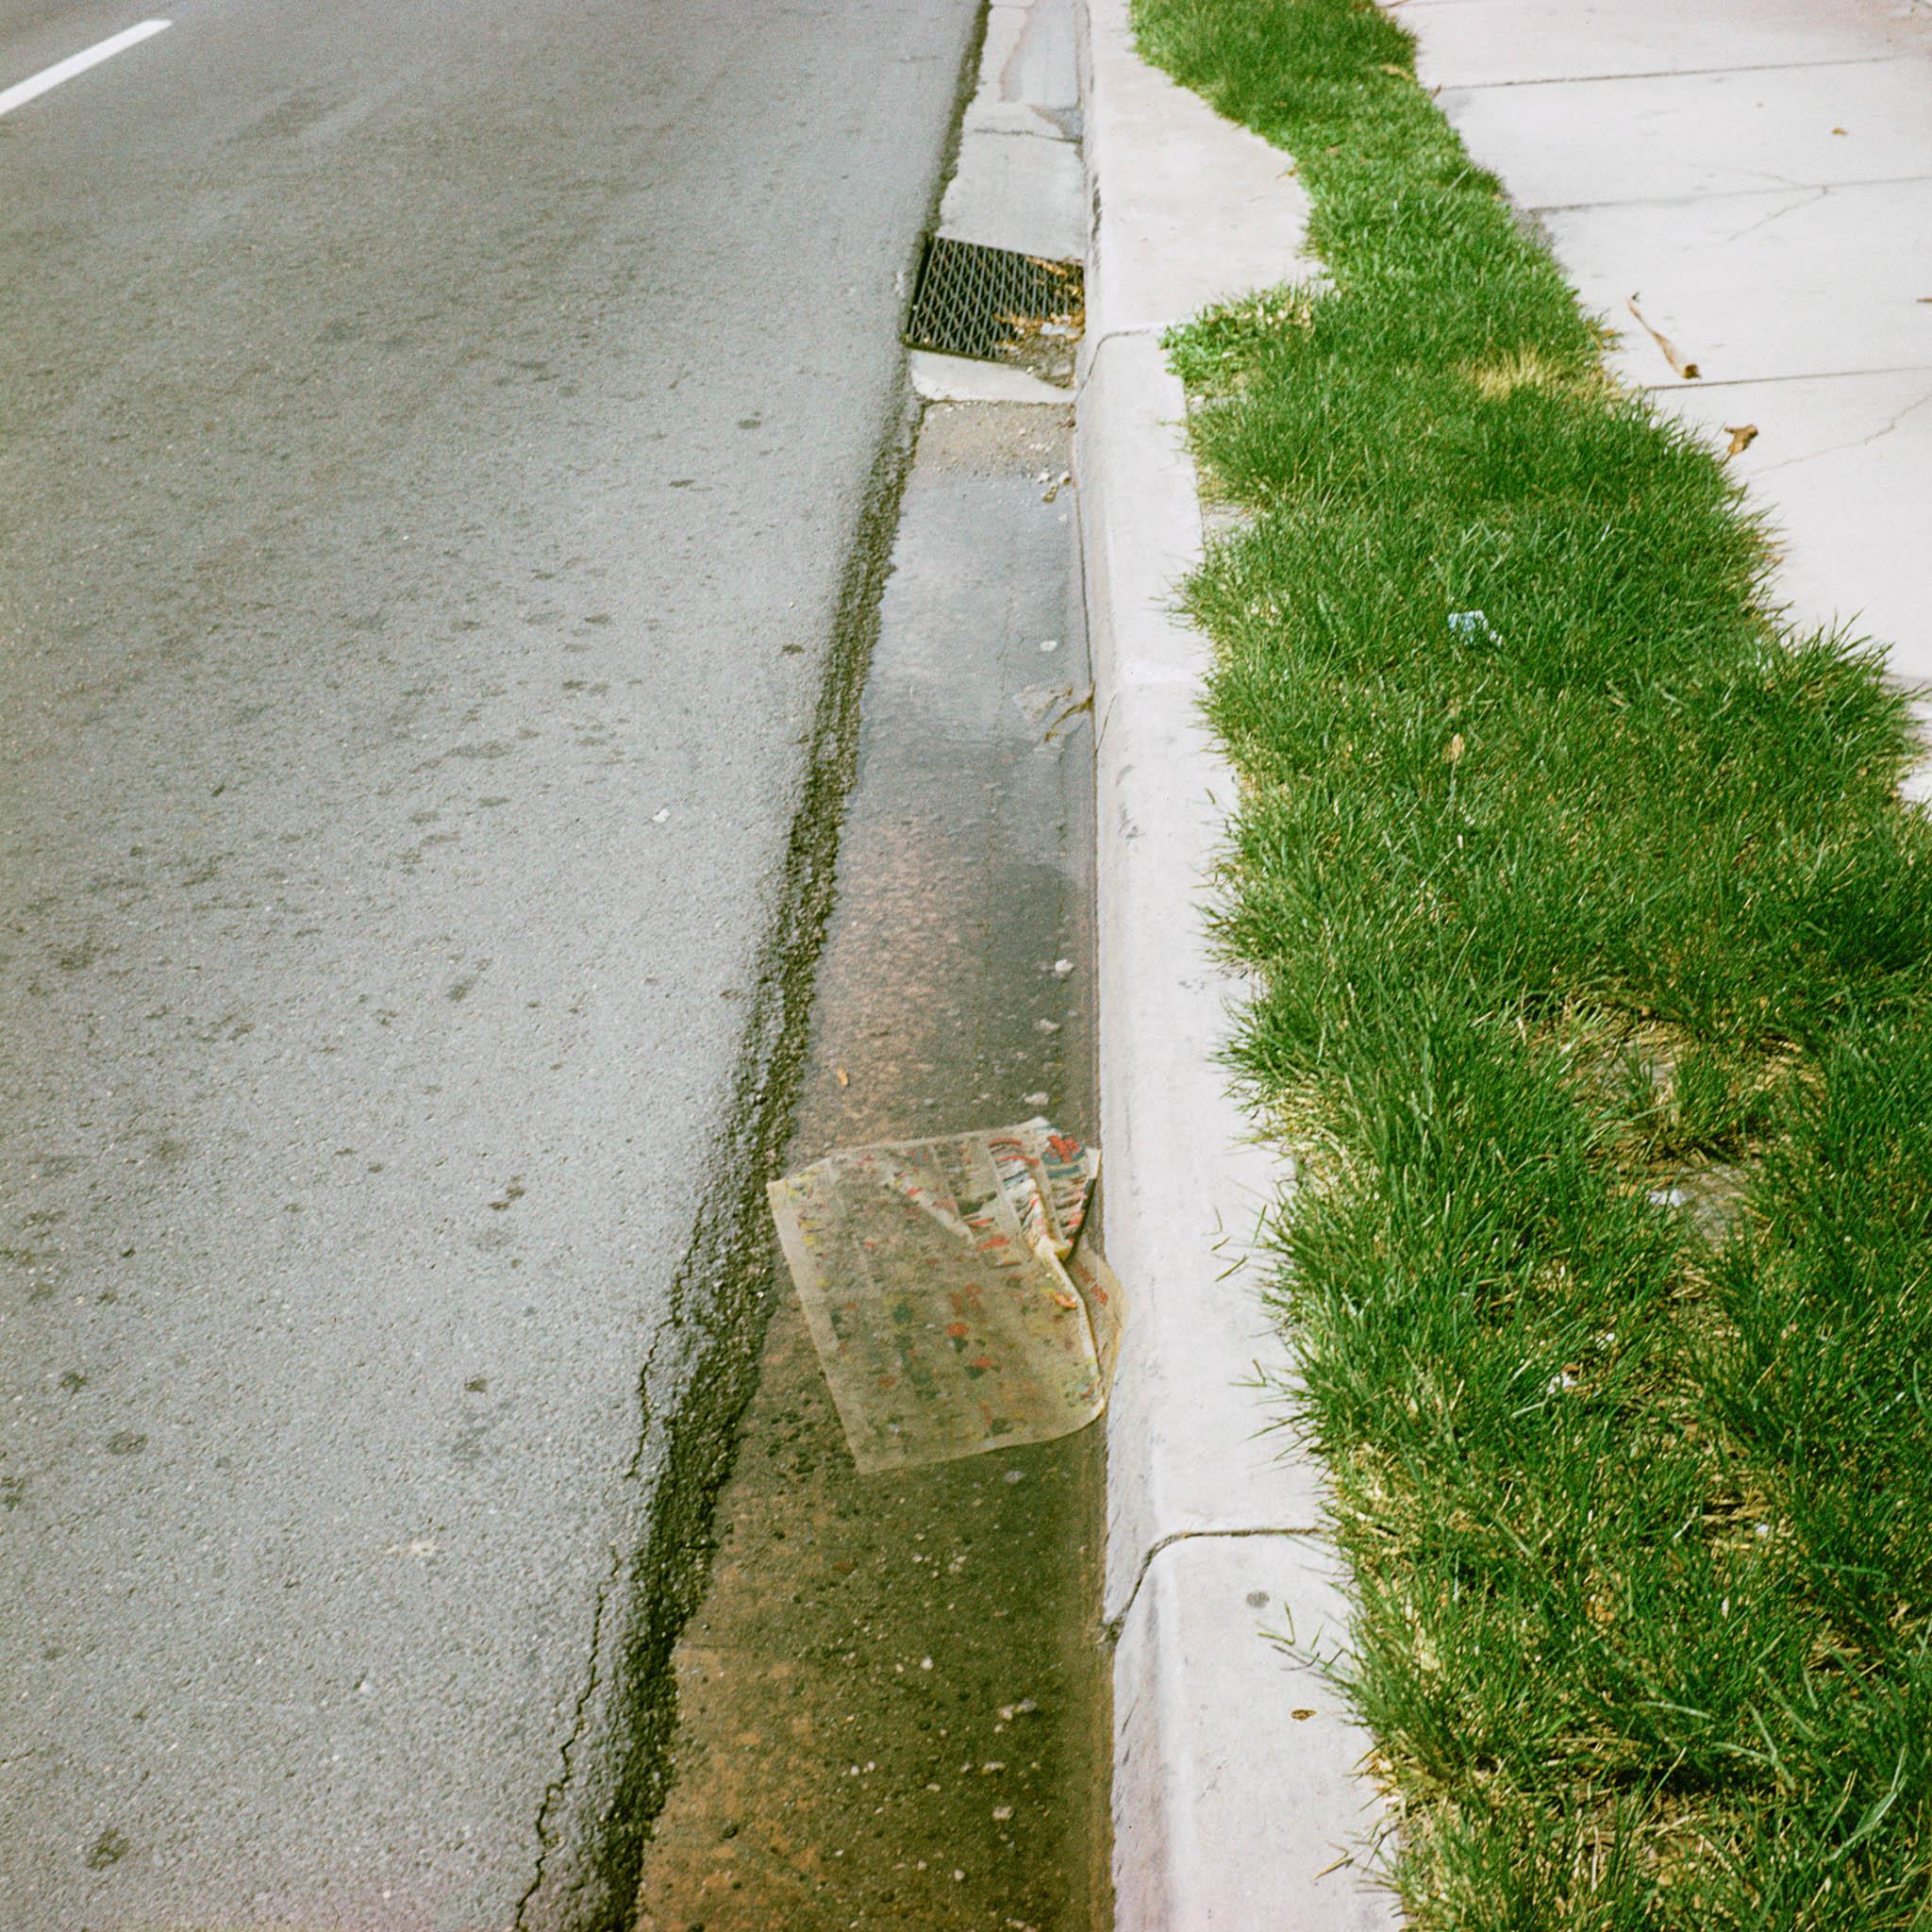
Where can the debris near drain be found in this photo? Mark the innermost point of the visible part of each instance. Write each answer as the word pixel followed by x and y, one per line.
pixel 997 305
pixel 1052 706
pixel 953 1305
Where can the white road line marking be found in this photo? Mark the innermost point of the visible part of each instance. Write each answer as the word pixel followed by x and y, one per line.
pixel 26 91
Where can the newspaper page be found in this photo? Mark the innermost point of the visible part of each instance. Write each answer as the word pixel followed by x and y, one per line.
pixel 952 1303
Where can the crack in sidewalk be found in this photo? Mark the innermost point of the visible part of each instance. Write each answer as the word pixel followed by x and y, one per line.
pixel 1851 442
pixel 1777 214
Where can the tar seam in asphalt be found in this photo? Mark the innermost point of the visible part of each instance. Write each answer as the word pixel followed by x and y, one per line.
pixel 595 1815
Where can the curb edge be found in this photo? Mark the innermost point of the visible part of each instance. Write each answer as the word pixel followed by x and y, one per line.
pixel 1238 1799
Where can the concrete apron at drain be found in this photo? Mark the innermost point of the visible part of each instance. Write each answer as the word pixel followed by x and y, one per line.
pixel 893 1703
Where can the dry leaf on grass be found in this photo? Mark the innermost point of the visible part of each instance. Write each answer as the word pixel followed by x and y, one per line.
pixel 1742 436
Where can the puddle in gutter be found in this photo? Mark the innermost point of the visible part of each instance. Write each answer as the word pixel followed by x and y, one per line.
pixel 893 1703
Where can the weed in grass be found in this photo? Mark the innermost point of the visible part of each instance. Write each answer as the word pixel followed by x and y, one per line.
pixel 1594 944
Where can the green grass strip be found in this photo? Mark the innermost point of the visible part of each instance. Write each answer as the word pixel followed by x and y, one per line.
pixel 1593 940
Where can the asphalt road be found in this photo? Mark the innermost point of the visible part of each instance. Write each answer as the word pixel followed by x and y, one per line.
pixel 431 438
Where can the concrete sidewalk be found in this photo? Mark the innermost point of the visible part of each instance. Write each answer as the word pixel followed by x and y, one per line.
pixel 1757 173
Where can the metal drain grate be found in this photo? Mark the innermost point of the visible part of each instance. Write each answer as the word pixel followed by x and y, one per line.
pixel 993 304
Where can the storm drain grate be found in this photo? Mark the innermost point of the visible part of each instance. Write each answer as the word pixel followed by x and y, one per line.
pixel 993 304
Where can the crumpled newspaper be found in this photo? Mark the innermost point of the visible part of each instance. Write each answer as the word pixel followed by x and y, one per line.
pixel 952 1303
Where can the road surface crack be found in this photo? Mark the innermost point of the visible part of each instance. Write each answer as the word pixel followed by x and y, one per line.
pixel 554 1792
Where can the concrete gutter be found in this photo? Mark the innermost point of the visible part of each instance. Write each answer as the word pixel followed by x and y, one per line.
pixel 1238 1799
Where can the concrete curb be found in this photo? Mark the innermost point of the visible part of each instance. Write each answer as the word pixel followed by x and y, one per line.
pixel 1236 1799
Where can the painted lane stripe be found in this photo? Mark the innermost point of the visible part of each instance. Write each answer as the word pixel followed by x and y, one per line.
pixel 26 91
